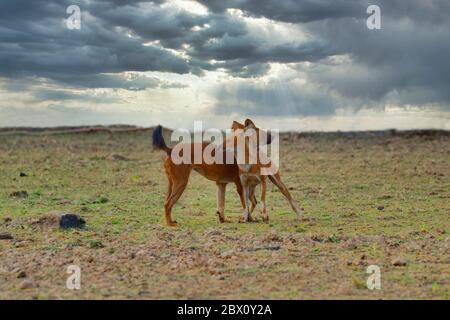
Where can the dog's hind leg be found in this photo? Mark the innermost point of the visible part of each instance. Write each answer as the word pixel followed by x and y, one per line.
pixel 276 179
pixel 179 178
pixel 170 184
pixel 221 201
pixel 177 191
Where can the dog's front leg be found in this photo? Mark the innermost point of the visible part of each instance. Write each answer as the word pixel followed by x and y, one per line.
pixel 253 203
pixel 221 201
pixel 247 201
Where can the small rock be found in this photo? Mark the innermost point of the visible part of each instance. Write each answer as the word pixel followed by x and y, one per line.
pixel 272 236
pixel 399 262
pixel 19 194
pixel 7 220
pixel 143 292
pixel 228 254
pixel 6 236
pixel 380 208
pixel 316 238
pixel 272 247
pixel 212 232
pixel 350 245
pixel 363 263
pixel 96 244
pixel 21 244
pixel 118 157
pixel 21 274
pixel 70 220
pixel 26 284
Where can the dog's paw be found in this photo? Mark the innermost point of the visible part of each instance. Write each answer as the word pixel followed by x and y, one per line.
pixel 222 219
pixel 172 224
pixel 300 212
pixel 243 220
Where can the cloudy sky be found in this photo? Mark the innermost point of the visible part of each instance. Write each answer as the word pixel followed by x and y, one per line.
pixel 289 64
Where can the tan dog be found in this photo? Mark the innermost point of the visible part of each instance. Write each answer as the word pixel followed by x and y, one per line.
pixel 250 173
pixel 222 174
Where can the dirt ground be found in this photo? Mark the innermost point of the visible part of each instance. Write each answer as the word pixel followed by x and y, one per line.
pixel 374 199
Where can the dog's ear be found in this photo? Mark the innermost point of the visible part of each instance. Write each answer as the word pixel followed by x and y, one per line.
pixel 248 124
pixel 237 125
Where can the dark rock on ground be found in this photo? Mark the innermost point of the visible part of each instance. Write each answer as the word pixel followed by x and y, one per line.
pixel 273 247
pixel 70 220
pixel 63 220
pixel 6 236
pixel 19 194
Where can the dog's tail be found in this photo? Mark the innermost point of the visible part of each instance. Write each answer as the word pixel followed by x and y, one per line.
pixel 158 140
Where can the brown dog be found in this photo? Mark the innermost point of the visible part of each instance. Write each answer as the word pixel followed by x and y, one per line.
pixel 250 171
pixel 222 174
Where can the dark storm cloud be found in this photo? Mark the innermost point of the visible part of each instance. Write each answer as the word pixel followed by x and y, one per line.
pixel 292 10
pixel 35 42
pixel 406 62
pixel 171 26
pixel 407 56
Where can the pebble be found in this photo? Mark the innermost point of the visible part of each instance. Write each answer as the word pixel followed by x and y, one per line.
pixel 399 262
pixel 118 157
pixel 21 274
pixel 19 194
pixel 26 284
pixel 228 254
pixel 6 236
